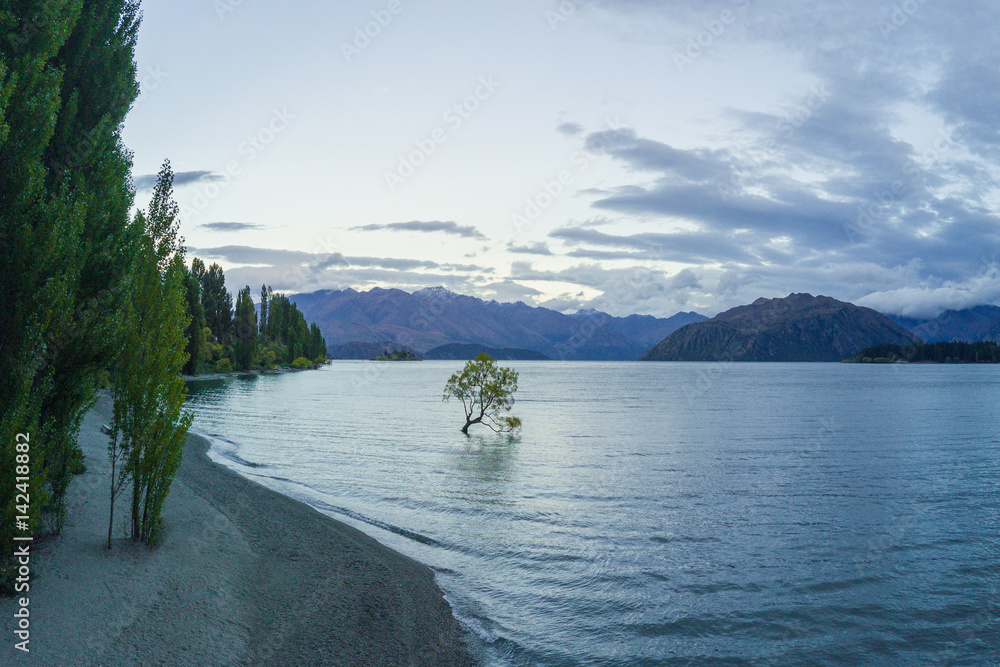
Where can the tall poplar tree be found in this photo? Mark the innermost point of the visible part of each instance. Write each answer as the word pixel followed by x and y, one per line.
pixel 67 80
pixel 195 332
pixel 245 329
pixel 149 428
pixel 265 296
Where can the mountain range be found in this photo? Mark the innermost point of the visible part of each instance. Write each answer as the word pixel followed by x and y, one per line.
pixel 356 323
pixel 438 323
pixel 800 327
pixel 971 325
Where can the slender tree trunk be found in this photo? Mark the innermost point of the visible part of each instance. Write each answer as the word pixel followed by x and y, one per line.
pixel 111 519
pixel 135 506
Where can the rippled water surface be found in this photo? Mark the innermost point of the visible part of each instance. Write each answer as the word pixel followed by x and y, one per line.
pixel 660 514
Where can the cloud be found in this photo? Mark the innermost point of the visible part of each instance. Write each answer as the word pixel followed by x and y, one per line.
pixel 539 248
pixel 465 231
pixel 231 226
pixel 623 291
pixel 570 129
pixel 688 247
pixel 509 291
pixel 878 180
pixel 292 270
pixel 930 301
pixel 181 178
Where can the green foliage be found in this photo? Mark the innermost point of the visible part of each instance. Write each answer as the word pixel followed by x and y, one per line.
pixel 301 364
pixel 223 365
pixel 985 352
pixel 245 330
pixel 265 297
pixel 197 342
pixel 148 427
pixel 486 391
pixel 67 80
pixel 279 336
pixel 216 300
pixel 397 355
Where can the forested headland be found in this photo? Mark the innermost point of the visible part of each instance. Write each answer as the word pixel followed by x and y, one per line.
pixel 985 352
pixel 94 293
pixel 223 338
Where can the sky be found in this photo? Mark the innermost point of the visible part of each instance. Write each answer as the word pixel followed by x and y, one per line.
pixel 630 156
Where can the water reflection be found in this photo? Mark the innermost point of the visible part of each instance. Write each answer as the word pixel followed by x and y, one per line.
pixel 487 465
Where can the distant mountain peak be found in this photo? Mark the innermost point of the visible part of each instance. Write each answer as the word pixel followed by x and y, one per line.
pixel 438 291
pixel 799 327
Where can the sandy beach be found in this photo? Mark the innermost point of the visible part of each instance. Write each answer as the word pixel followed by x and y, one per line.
pixel 243 576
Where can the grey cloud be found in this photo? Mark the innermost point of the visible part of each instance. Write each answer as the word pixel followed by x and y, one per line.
pixel 181 178
pixel 868 197
pixel 239 254
pixel 302 271
pixel 689 247
pixel 447 227
pixel 231 226
pixel 570 129
pixel 539 248
pixel 625 290
pixel 509 291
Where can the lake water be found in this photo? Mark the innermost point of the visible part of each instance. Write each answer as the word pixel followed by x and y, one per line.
pixel 662 514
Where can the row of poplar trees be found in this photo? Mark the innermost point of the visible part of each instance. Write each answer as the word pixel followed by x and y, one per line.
pixel 85 285
pixel 221 337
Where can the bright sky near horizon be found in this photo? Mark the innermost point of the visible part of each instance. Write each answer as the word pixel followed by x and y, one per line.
pixel 630 155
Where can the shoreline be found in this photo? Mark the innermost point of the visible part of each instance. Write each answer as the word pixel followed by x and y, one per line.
pixel 243 575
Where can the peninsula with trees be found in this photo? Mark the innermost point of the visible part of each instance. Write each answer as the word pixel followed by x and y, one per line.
pixel 983 352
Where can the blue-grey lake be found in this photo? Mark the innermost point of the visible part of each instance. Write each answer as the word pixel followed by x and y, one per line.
pixel 660 513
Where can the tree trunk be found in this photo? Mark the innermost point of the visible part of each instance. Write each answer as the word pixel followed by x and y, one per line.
pixel 465 429
pixel 135 507
pixel 111 519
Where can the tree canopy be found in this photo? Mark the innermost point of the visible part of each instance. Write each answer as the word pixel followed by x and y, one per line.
pixel 67 81
pixel 149 429
pixel 237 338
pixel 486 391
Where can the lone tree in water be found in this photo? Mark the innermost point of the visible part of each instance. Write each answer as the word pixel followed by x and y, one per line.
pixel 487 393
